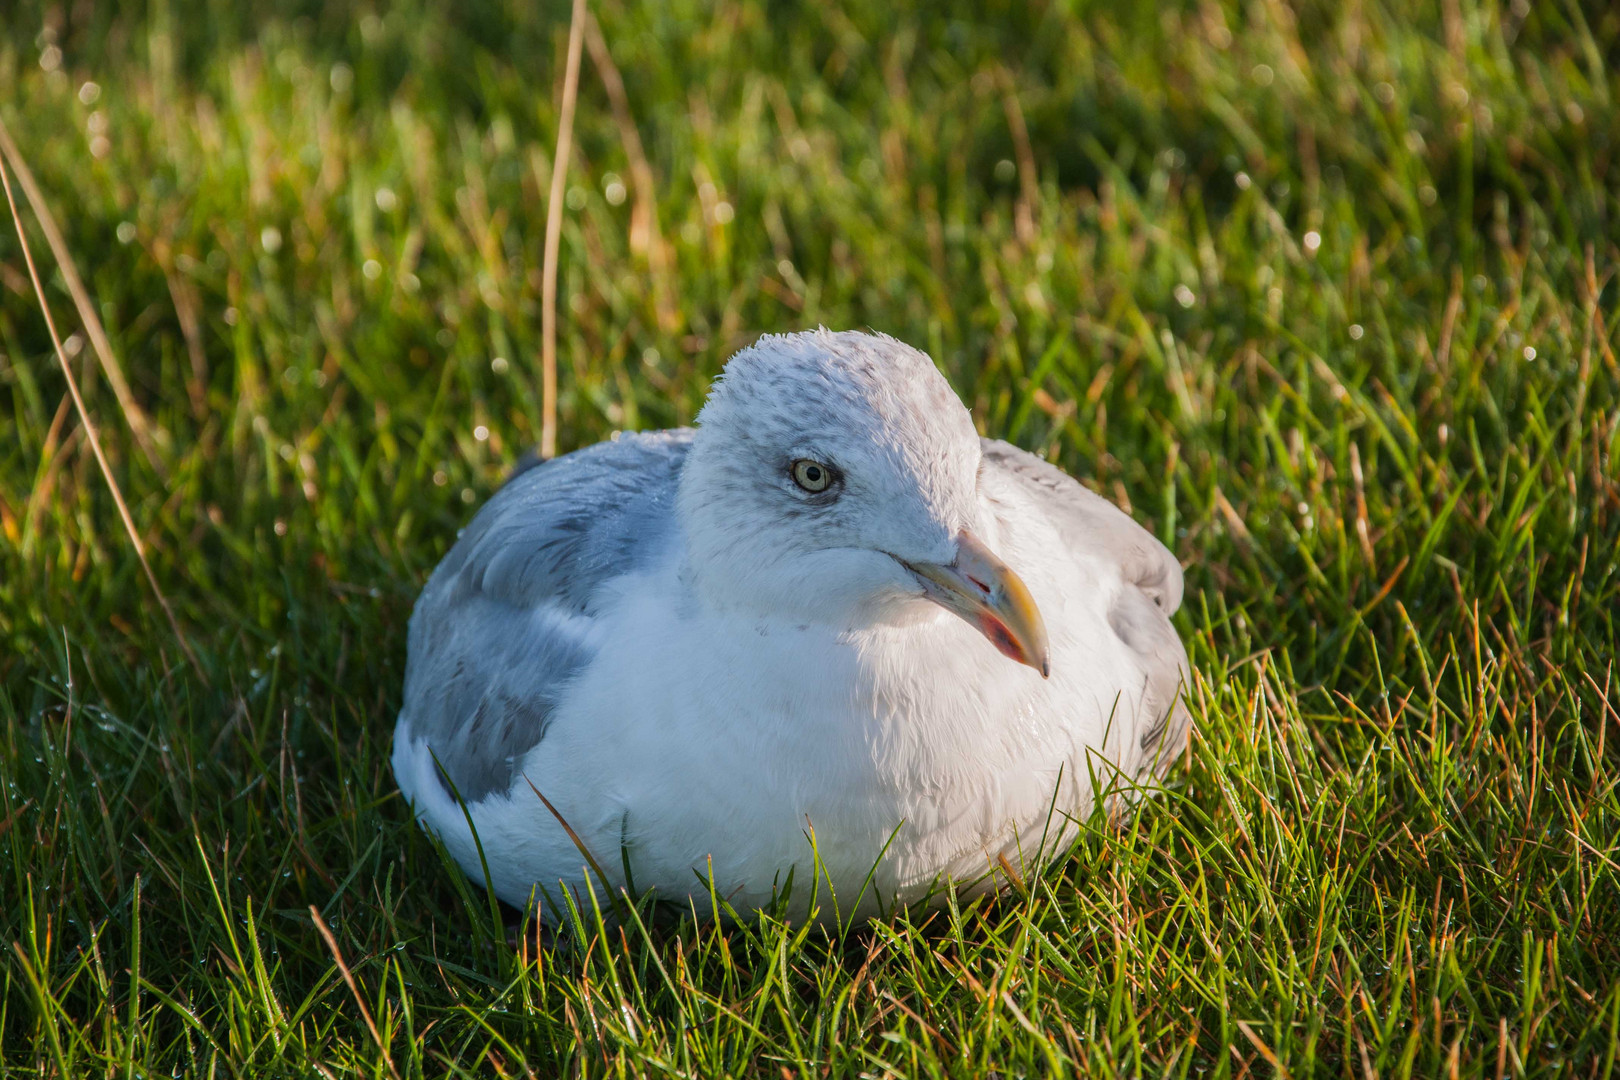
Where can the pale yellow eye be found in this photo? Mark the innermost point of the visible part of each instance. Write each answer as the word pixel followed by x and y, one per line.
pixel 813 476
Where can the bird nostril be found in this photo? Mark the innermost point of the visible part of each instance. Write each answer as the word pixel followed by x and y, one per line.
pixel 982 586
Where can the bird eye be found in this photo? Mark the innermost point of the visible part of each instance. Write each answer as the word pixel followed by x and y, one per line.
pixel 812 476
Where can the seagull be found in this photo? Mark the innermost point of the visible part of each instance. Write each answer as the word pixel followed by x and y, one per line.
pixel 829 653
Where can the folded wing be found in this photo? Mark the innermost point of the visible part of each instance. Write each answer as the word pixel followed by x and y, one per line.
pixel 1140 614
pixel 506 620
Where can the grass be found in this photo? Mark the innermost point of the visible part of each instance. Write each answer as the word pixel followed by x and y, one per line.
pixel 1325 295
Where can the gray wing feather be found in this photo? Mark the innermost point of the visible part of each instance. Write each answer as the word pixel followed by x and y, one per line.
pixel 503 624
pixel 1140 616
pixel 1089 522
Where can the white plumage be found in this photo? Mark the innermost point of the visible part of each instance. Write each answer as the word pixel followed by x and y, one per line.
pixel 699 656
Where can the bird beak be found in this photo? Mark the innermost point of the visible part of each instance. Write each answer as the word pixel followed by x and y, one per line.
pixel 983 590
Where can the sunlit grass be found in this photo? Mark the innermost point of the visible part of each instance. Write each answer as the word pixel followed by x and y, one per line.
pixel 1325 297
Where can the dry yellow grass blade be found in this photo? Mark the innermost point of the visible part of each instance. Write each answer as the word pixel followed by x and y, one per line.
pixel 548 279
pixel 84 417
pixel 145 434
pixel 354 988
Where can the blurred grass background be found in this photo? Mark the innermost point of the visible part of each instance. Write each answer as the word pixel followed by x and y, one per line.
pixel 1324 294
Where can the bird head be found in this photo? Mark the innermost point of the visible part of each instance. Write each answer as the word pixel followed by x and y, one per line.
pixel 834 479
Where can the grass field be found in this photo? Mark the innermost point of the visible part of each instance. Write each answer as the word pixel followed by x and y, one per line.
pixel 1325 295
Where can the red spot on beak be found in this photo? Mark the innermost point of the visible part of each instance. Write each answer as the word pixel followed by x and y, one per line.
pixel 1001 638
